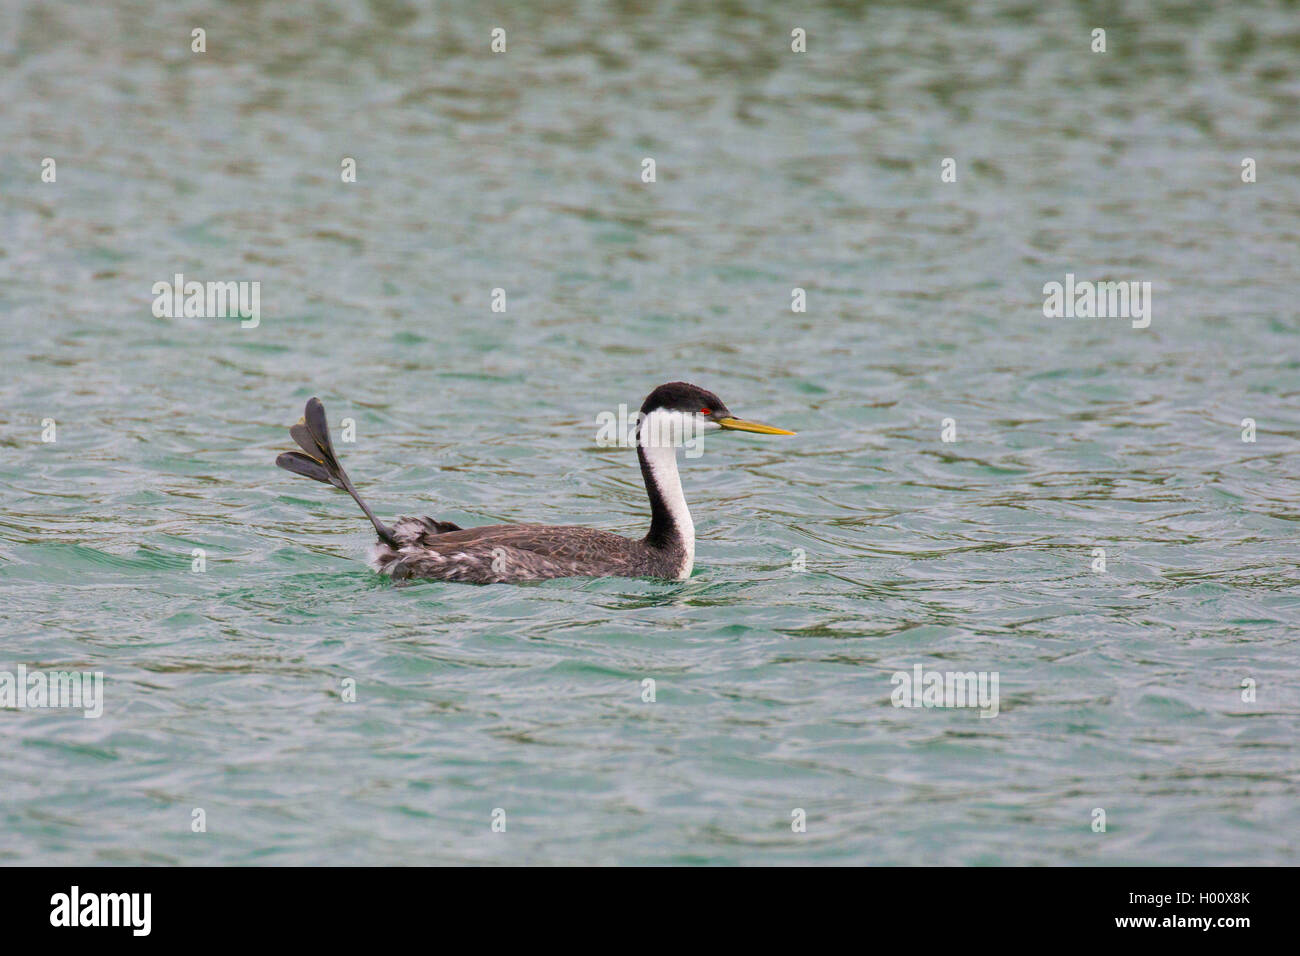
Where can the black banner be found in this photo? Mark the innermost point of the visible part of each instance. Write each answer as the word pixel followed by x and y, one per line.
pixel 332 906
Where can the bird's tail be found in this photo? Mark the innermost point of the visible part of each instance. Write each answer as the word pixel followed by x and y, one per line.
pixel 321 464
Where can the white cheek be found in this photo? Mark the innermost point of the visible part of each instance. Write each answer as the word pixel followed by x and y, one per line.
pixel 666 429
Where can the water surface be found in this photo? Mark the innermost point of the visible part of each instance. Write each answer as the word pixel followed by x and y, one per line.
pixel 775 170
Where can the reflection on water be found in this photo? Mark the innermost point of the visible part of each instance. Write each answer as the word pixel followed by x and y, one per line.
pixel 774 171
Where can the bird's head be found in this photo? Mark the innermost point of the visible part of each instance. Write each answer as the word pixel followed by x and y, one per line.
pixel 679 408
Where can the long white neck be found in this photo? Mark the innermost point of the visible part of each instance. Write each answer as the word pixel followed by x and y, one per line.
pixel 670 521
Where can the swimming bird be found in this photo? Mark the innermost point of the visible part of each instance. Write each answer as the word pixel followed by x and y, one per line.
pixel 498 553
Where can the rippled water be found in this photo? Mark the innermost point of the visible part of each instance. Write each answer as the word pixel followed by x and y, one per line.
pixel 1119 690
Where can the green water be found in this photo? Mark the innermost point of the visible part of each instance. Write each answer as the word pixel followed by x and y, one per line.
pixel 1119 690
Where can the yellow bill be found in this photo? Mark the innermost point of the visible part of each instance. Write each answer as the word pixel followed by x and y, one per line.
pixel 740 425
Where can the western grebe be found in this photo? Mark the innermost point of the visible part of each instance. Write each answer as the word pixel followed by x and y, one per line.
pixel 496 553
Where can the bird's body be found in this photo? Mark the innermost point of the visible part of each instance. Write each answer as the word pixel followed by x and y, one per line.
pixel 498 553
pixel 424 548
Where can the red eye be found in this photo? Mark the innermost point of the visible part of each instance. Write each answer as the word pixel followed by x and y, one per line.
pixel 705 411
